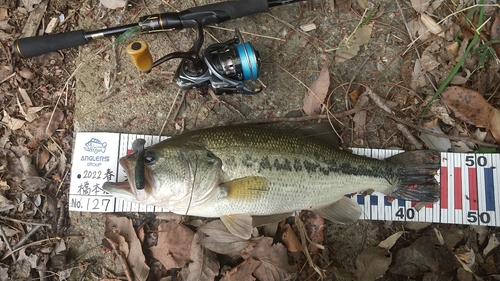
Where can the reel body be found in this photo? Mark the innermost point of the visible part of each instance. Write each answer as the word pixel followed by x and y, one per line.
pixel 231 67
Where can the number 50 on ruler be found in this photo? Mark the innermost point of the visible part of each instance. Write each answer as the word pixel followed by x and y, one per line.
pixel 470 193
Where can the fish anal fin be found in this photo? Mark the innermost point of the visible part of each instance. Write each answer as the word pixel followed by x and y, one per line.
pixel 246 188
pixel 343 210
pixel 262 220
pixel 239 225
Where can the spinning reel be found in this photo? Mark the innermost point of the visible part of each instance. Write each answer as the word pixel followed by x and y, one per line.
pixel 231 67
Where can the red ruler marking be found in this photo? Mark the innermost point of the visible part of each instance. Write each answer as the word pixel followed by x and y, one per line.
pixel 473 189
pixel 444 187
pixel 458 188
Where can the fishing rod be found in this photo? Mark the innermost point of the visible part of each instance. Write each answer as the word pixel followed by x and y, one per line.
pixel 228 67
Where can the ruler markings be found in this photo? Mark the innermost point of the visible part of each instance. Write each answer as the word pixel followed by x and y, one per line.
pixel 496 180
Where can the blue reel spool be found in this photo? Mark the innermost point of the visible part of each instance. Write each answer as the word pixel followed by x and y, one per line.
pixel 249 61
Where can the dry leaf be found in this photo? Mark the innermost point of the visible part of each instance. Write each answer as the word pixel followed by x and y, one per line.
pixel 12 123
pixel 113 4
pixel 204 265
pixel 372 262
pixel 492 244
pixel 363 4
pixel 391 240
pixel 43 127
pixel 349 47
pixel 290 240
pixel 274 260
pixel 316 94
pixel 424 255
pixel 30 4
pixel 495 33
pixel 471 107
pixel 314 226
pixel 174 244
pixel 220 240
pixel 420 5
pixel 436 143
pixel 122 226
pixel 343 5
pixel 453 48
pixel 431 25
pixel 243 272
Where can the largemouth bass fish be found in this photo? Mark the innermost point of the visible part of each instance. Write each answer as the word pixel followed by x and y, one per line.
pixel 250 173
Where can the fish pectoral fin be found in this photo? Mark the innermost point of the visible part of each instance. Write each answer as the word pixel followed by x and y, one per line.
pixel 261 220
pixel 343 210
pixel 246 188
pixel 239 225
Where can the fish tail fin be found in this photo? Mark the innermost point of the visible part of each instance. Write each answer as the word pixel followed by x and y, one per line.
pixel 417 182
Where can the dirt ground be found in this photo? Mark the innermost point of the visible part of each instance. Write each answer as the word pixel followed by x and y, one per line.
pixel 111 95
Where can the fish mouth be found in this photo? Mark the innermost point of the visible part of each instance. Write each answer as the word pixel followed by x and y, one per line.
pixel 118 189
pixel 127 189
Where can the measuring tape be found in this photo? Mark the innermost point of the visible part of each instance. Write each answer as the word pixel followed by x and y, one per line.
pixel 469 184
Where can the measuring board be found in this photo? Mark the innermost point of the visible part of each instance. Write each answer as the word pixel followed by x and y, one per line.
pixel 470 184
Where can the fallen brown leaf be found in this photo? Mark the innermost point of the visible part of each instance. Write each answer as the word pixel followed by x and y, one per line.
pixel 420 5
pixel 314 226
pixel 290 240
pixel 204 265
pixel 122 226
pixel 471 107
pixel 220 240
pixel 43 157
pixel 43 127
pixel 174 244
pixel 243 272
pixel 495 33
pixel 349 46
pixel 316 94
pixel 372 262
pixel 426 254
pixel 343 5
pixel 274 260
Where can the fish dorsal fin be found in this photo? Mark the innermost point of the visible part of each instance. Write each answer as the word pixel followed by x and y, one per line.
pixel 261 220
pixel 322 132
pixel 343 210
pixel 238 224
pixel 246 188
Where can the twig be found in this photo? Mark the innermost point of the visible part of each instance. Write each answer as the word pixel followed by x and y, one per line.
pixel 6 241
pixel 27 236
pixel 302 231
pixel 183 98
pixel 248 33
pixel 122 259
pixel 406 133
pixel 25 222
pixel 429 132
pixel 306 118
pixel 414 46
pixel 169 111
pixel 8 77
pixel 29 245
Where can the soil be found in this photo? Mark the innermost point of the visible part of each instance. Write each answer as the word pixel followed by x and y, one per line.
pixel 110 95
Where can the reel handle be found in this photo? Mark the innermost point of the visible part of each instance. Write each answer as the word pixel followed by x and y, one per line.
pixel 207 14
pixel 140 55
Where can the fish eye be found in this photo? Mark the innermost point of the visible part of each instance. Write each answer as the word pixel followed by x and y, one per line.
pixel 149 157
